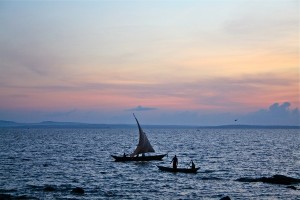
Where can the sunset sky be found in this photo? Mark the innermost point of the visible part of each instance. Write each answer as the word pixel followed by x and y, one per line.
pixel 170 62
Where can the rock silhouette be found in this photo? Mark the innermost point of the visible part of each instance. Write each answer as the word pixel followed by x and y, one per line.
pixel 225 198
pixel 276 179
pixel 77 190
pixel 49 189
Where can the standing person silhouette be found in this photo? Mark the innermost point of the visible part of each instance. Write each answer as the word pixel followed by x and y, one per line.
pixel 192 165
pixel 175 162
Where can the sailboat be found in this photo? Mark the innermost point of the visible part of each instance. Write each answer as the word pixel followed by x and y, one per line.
pixel 143 147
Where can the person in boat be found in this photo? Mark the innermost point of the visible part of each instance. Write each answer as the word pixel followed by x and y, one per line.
pixel 175 162
pixel 193 165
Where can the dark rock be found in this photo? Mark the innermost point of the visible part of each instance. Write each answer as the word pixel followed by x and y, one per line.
pixel 225 198
pixel 5 197
pixel 280 179
pixel 49 189
pixel 77 190
pixel 247 180
pixel 276 179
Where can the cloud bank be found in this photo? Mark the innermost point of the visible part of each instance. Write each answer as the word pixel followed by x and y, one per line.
pixel 276 114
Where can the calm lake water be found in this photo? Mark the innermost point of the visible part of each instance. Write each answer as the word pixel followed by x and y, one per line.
pixel 32 159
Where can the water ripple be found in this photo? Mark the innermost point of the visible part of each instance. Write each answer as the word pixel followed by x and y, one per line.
pixel 49 163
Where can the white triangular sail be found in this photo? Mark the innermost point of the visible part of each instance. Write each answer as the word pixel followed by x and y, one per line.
pixel 144 145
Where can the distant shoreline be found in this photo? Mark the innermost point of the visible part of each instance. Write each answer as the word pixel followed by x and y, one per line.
pixel 52 124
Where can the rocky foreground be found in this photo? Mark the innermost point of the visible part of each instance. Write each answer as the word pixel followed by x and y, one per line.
pixel 276 179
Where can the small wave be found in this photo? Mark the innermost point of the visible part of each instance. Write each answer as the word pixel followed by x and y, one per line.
pixel 11 158
pixel 9 196
pixel 8 191
pixel 50 188
pixel 211 178
pixel 207 171
pixel 46 188
pixel 109 194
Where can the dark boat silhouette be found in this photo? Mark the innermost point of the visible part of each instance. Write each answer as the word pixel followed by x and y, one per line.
pixel 183 170
pixel 143 147
pixel 141 158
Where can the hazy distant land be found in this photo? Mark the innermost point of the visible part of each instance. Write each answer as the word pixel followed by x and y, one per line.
pixel 53 124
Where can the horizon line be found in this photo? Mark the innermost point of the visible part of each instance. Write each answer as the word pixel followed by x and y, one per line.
pixel 7 123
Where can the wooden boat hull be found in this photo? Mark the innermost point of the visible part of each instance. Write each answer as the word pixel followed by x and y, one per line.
pixel 140 158
pixel 183 170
